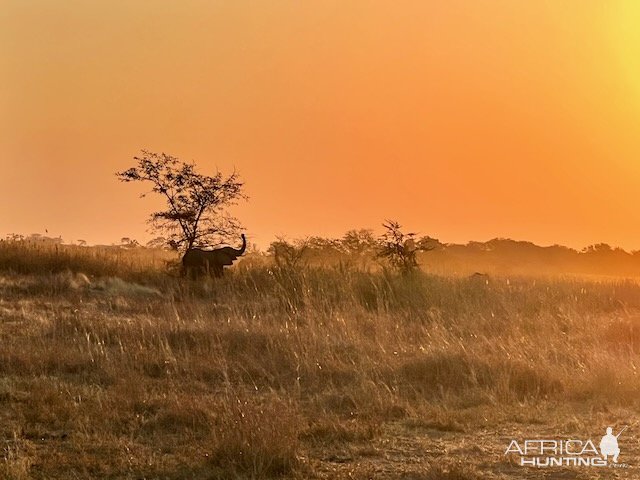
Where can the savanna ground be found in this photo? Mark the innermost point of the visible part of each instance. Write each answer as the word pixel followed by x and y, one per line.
pixel 110 368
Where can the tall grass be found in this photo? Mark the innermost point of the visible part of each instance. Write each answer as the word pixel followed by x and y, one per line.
pixel 261 373
pixel 39 257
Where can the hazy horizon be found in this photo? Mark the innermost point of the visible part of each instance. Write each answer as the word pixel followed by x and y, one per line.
pixel 462 120
pixel 263 245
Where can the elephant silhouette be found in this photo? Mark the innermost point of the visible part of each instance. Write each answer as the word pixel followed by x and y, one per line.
pixel 196 261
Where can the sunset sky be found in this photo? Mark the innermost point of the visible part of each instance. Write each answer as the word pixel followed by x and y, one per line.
pixel 463 120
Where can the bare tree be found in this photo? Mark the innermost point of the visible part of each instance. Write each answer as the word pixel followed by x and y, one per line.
pixel 400 249
pixel 289 255
pixel 359 248
pixel 195 213
pixel 356 242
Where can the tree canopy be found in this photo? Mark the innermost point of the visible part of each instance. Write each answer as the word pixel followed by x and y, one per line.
pixel 196 204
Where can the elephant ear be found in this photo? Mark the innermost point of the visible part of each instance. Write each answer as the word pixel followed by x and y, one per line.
pixel 227 258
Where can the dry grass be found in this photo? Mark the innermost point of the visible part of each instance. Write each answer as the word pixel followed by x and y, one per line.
pixel 125 372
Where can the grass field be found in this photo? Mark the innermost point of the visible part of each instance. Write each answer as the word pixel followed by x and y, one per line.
pixel 111 368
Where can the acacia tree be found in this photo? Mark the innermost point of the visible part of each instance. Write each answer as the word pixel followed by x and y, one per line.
pixel 196 204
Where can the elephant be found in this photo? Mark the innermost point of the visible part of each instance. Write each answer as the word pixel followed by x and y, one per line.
pixel 197 261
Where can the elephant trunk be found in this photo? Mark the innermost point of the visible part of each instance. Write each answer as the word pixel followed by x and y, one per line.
pixel 244 245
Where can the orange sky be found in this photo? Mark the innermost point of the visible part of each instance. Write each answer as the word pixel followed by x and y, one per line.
pixel 461 119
